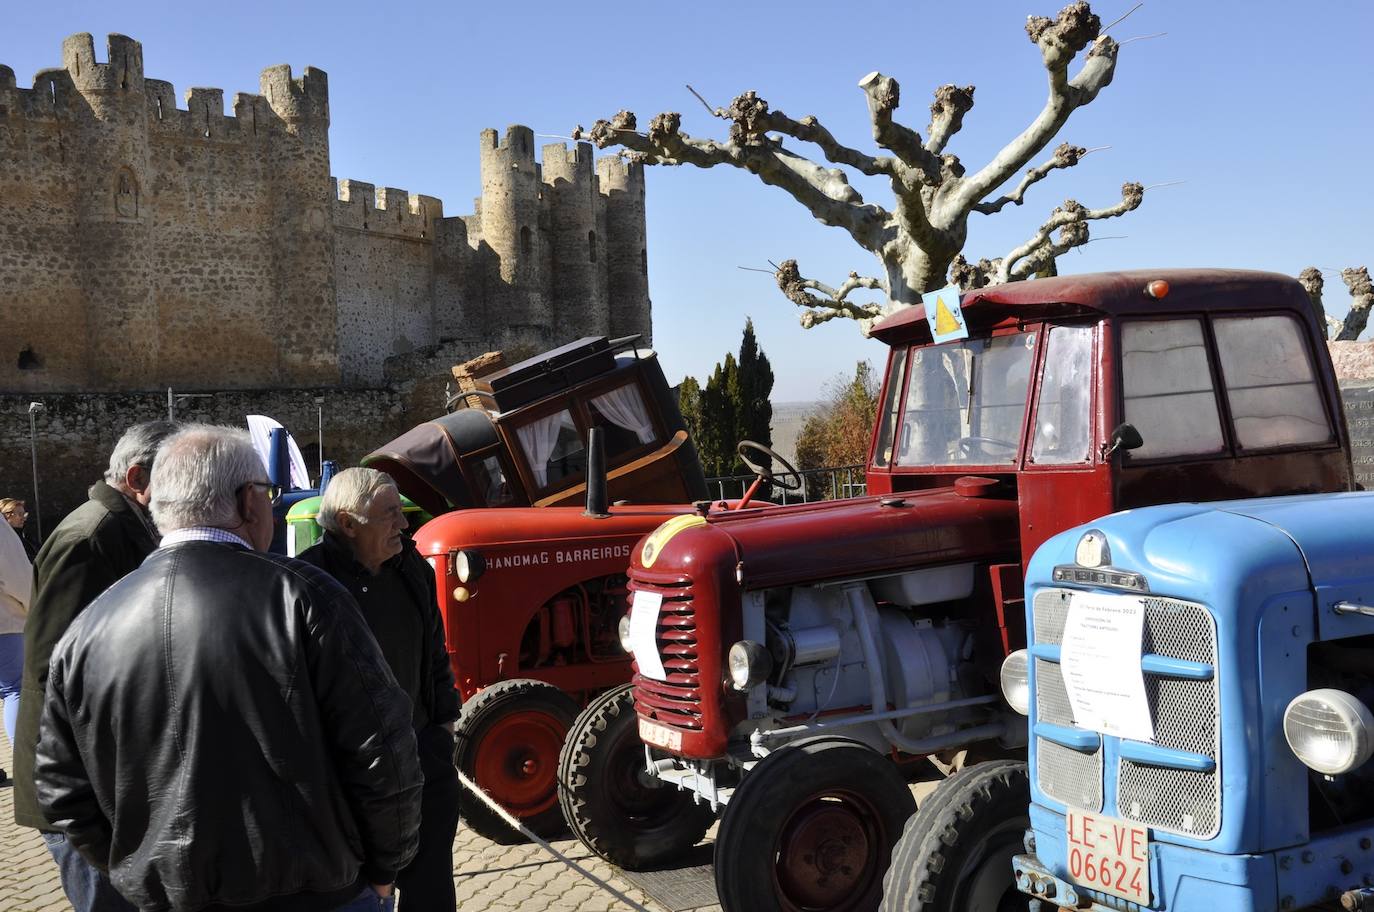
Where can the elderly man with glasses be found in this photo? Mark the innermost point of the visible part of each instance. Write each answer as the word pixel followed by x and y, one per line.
pixel 94 546
pixel 365 548
pixel 16 513
pixel 221 730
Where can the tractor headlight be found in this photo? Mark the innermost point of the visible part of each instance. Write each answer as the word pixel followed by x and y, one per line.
pixel 1329 730
pixel 468 565
pixel 1016 681
pixel 624 630
pixel 750 664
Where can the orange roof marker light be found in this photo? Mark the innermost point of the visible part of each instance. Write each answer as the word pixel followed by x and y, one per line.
pixel 1157 289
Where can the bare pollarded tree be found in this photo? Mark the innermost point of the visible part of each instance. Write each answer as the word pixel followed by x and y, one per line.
pixel 920 237
pixel 1356 278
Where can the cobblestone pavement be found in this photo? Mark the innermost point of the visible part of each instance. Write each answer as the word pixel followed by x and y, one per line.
pixel 488 876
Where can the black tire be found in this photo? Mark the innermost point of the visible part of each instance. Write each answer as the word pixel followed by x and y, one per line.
pixel 605 800
pixel 507 741
pixel 955 855
pixel 811 828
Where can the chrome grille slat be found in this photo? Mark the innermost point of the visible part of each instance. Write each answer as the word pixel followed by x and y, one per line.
pixel 1186 717
pixel 677 701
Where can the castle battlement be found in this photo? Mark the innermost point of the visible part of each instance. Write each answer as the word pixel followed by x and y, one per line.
pixel 385 210
pixel 297 100
pixel 615 173
pixel 123 71
pixel 562 163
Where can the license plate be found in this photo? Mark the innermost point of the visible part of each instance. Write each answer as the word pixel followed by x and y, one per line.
pixel 1108 854
pixel 659 735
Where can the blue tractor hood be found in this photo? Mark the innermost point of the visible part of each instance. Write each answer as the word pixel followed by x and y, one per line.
pixel 1209 551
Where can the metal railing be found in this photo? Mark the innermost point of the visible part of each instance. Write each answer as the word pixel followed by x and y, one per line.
pixel 833 483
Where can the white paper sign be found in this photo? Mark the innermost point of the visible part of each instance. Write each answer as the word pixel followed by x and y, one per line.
pixel 643 627
pixel 1100 658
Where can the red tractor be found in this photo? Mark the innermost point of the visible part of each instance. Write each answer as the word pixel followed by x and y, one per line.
pixel 532 593
pixel 786 656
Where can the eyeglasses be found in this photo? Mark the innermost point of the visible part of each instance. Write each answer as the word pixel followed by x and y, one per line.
pixel 273 491
pixel 20 513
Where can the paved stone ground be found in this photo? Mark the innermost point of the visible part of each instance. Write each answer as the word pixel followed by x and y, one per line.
pixel 520 878
pixel 488 876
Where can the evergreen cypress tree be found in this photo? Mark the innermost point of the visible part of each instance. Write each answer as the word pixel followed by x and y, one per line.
pixel 753 403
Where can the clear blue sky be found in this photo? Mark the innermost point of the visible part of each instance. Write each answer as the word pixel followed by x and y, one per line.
pixel 1265 110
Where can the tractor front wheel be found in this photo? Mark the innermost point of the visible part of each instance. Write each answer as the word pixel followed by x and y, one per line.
pixel 956 853
pixel 811 829
pixel 507 741
pixel 606 797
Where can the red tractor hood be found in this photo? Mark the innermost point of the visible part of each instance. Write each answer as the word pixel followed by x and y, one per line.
pixel 836 539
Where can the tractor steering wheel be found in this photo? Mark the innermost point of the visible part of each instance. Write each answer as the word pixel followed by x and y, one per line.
pixel 766 474
pixel 966 445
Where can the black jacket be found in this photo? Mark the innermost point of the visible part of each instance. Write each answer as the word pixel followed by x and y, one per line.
pixel 232 712
pixel 438 695
pixel 93 546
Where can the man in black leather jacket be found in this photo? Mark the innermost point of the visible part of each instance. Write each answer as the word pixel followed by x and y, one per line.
pixel 232 711
pixel 366 549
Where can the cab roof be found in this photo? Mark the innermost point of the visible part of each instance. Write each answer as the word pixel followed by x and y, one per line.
pixel 1110 294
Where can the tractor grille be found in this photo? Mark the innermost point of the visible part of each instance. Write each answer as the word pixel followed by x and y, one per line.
pixel 1186 717
pixel 676 701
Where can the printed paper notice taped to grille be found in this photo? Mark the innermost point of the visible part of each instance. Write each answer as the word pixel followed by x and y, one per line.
pixel 1100 658
pixel 643 632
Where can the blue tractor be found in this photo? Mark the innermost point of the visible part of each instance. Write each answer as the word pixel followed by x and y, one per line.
pixel 1198 680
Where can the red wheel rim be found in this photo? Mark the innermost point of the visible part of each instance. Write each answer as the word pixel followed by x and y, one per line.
pixel 517 761
pixel 827 852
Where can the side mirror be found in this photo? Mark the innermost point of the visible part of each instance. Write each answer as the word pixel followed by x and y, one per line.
pixel 1125 437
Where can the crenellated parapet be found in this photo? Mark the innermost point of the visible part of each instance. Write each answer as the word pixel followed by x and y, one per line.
pixel 386 210
pixel 297 101
pixel 121 73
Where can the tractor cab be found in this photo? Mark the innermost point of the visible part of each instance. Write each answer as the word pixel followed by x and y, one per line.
pixel 515 435
pixel 1083 395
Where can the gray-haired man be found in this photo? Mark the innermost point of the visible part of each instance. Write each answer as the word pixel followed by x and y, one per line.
pixel 231 712
pixel 93 547
pixel 366 549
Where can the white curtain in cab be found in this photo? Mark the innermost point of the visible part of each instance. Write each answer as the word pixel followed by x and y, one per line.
pixel 539 438
pixel 624 406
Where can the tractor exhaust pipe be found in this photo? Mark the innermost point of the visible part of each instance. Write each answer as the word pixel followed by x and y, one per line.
pixel 596 475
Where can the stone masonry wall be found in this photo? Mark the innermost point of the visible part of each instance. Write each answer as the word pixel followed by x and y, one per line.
pixel 143 244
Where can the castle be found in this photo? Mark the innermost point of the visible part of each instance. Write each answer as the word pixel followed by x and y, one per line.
pixel 145 246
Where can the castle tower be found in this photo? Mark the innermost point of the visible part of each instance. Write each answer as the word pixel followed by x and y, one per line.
pixel 302 234
pixel 622 184
pixel 106 151
pixel 578 289
pixel 510 210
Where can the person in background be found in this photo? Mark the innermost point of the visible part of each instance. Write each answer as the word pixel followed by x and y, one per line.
pixel 365 548
pixel 93 547
pixel 16 591
pixel 16 513
pixel 220 729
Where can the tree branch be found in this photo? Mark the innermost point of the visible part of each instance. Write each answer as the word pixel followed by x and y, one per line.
pixel 1312 282
pixel 947 115
pixel 1059 41
pixel 1071 221
pixel 825 192
pixel 834 304
pixel 1066 156
pixel 1357 280
pixel 884 94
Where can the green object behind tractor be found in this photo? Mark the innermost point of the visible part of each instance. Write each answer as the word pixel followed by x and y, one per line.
pixel 303 522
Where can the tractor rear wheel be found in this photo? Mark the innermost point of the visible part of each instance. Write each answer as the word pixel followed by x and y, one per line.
pixel 956 853
pixel 507 741
pixel 811 828
pixel 610 805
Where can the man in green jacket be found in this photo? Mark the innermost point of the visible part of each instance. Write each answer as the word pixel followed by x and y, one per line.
pixel 96 545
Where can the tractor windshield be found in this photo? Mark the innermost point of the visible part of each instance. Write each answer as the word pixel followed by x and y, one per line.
pixel 965 402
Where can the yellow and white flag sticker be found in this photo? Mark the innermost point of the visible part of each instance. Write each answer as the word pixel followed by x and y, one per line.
pixel 664 533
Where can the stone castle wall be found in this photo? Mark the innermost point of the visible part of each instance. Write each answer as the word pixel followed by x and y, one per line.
pixel 148 243
pixel 143 245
